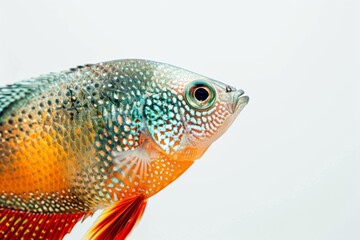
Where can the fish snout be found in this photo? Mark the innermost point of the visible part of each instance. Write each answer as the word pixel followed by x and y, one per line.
pixel 239 101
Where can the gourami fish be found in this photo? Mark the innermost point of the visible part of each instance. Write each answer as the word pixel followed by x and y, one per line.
pixel 102 136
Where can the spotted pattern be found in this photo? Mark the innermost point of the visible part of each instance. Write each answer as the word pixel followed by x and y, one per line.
pixel 22 225
pixel 79 140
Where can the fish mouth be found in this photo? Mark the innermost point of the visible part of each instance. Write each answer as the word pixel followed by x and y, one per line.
pixel 239 101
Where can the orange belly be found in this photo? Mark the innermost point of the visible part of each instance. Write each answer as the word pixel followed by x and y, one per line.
pixel 37 164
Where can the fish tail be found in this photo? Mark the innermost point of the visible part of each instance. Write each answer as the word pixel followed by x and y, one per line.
pixel 16 224
pixel 117 221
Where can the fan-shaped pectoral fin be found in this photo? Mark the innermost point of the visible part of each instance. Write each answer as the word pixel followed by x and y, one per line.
pixel 135 163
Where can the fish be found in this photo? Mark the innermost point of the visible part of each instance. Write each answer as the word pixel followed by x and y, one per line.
pixel 102 136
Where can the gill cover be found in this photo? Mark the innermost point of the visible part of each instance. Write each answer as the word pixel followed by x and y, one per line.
pixel 170 118
pixel 162 113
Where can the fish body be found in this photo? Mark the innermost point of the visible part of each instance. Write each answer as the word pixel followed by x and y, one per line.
pixel 107 135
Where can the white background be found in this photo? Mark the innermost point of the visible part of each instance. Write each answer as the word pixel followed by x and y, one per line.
pixel 289 167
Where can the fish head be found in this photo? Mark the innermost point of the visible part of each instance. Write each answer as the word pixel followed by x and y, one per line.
pixel 189 112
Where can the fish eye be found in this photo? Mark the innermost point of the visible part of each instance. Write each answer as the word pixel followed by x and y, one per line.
pixel 200 95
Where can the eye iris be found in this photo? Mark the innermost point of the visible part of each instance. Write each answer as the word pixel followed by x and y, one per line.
pixel 201 94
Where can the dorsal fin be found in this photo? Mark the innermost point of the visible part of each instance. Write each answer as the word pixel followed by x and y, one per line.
pixel 13 93
pixel 16 92
pixel 118 220
pixel 26 225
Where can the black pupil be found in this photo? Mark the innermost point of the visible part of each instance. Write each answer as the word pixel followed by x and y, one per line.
pixel 201 94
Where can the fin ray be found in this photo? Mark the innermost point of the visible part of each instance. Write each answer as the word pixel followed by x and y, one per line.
pixel 16 224
pixel 118 220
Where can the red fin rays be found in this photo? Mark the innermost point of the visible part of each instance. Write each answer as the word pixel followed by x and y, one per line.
pixel 118 220
pixel 24 225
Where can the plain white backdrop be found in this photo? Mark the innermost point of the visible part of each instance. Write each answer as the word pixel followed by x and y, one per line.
pixel 289 167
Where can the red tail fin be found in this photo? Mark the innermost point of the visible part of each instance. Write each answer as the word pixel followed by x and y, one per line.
pixel 25 225
pixel 117 221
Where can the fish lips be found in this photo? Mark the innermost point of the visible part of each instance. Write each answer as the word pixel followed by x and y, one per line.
pixel 239 101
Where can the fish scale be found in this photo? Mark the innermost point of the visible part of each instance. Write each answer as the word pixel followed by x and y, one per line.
pixel 107 135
